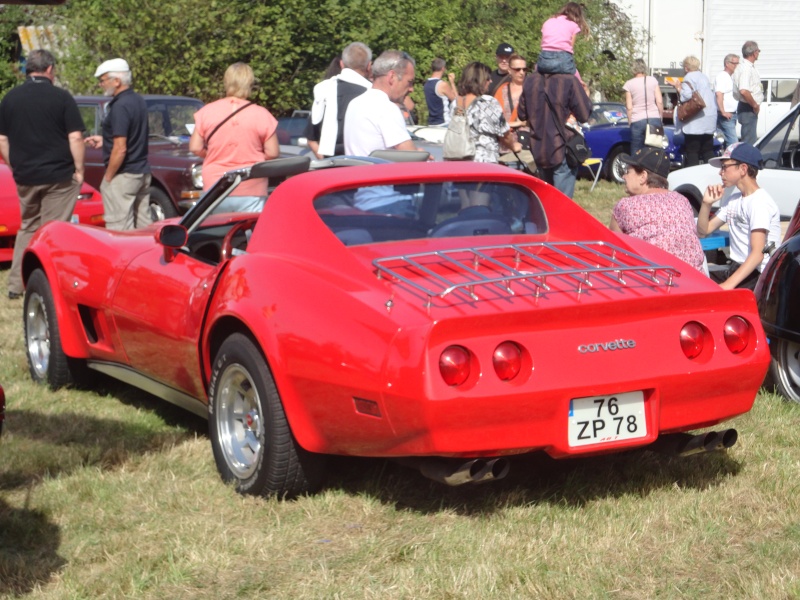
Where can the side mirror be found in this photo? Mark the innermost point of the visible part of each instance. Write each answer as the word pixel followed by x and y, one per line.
pixel 173 237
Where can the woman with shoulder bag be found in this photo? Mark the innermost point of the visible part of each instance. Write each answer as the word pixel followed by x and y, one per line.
pixel 643 103
pixel 487 124
pixel 232 133
pixel 698 129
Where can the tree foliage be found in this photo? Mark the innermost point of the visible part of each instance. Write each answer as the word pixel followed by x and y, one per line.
pixel 182 47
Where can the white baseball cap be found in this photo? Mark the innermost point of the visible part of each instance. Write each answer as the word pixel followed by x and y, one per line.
pixel 115 65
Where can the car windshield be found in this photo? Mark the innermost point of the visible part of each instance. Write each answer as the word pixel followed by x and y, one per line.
pixel 172 116
pixel 610 113
pixel 431 210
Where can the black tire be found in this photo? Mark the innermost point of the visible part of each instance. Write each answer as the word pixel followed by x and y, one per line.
pixel 250 436
pixel 161 206
pixel 693 195
pixel 613 165
pixel 785 368
pixel 47 362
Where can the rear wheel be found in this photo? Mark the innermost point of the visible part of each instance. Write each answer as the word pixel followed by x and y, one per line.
pixel 785 368
pixel 46 359
pixel 615 168
pixel 250 436
pixel 161 207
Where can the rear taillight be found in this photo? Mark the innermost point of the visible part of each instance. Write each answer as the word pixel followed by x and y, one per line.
pixel 692 339
pixel 737 334
pixel 454 365
pixel 507 360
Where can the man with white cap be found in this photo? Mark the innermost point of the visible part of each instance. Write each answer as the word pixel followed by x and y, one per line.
pixel 126 182
pixel 752 216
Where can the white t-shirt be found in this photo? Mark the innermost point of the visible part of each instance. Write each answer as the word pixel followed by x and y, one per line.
pixel 743 214
pixel 723 83
pixel 373 122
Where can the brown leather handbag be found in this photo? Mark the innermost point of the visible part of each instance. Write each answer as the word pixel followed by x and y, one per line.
pixel 692 106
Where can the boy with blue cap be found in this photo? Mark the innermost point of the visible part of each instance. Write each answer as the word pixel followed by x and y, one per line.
pixel 752 216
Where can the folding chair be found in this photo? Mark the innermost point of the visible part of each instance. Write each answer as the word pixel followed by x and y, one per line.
pixel 595 166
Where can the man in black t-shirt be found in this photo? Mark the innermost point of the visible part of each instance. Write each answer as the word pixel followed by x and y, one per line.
pixel 501 75
pixel 41 139
pixel 126 182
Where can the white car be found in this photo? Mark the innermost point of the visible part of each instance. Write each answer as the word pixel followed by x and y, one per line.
pixel 780 175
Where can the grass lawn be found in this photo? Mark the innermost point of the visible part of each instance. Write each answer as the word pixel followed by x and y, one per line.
pixel 112 493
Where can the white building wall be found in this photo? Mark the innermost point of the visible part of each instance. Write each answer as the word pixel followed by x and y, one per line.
pixel 710 29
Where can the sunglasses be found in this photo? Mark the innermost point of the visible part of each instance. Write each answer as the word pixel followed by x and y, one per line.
pixel 518 69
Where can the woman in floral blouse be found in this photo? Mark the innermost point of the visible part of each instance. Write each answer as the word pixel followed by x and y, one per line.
pixel 485 115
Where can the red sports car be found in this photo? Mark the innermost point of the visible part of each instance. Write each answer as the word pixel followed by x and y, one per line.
pixel 88 210
pixel 449 315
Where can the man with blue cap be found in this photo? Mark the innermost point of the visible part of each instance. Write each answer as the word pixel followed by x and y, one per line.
pixel 752 216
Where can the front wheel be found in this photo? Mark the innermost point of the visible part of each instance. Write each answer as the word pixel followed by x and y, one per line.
pixel 615 169
pixel 46 359
pixel 161 206
pixel 250 436
pixel 785 368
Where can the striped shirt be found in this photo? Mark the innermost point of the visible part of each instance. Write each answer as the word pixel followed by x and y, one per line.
pixel 567 97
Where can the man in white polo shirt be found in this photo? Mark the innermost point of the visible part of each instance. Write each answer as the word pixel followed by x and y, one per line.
pixel 726 104
pixel 374 122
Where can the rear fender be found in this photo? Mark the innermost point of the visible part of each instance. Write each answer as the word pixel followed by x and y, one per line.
pixel 778 292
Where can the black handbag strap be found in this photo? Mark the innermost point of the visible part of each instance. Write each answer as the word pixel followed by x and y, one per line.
pixel 225 120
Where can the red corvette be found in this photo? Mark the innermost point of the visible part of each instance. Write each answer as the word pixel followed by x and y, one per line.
pixel 449 315
pixel 88 210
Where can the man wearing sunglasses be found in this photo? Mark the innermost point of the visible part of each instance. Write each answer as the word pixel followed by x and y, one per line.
pixel 752 216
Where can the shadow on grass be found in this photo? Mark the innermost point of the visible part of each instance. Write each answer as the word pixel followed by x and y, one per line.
pixel 534 479
pixel 52 444
pixel 28 550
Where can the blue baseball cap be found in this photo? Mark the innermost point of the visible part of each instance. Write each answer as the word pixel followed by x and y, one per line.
pixel 740 152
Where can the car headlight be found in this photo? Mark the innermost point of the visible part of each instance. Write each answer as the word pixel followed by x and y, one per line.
pixel 197 176
pixel 719 138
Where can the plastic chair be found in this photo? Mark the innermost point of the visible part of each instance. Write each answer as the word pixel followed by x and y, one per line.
pixel 595 166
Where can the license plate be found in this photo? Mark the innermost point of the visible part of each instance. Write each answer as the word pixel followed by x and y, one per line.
pixel 604 419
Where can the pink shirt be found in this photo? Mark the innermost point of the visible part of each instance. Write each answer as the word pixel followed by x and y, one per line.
pixel 238 143
pixel 636 88
pixel 557 34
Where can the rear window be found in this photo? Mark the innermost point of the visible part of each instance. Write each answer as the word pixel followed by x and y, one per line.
pixel 431 210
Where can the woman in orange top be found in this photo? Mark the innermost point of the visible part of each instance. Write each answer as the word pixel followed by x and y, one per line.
pixel 508 96
pixel 246 138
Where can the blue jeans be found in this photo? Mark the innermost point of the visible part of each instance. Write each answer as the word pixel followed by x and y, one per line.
pixel 749 121
pixel 638 129
pixel 556 61
pixel 561 177
pixel 728 128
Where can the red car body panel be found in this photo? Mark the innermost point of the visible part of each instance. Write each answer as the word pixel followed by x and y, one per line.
pixel 88 210
pixel 355 357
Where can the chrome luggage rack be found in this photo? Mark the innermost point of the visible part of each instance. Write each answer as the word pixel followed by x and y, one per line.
pixel 493 269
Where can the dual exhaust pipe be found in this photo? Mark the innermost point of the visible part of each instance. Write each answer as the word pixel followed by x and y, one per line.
pixel 686 444
pixel 456 472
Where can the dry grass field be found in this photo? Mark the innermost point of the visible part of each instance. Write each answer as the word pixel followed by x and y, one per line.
pixel 111 493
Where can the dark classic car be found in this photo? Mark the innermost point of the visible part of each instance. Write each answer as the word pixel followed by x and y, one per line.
pixel 608 134
pixel 177 173
pixel 778 295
